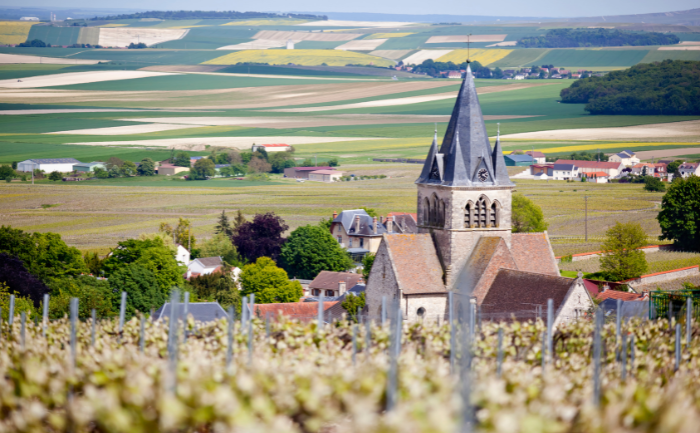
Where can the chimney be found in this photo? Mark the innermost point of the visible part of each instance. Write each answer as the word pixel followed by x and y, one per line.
pixel 374 220
pixel 606 287
pixel 357 224
pixel 341 288
pixel 335 214
pixel 390 224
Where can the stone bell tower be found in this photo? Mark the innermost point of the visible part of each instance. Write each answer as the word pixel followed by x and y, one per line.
pixel 464 191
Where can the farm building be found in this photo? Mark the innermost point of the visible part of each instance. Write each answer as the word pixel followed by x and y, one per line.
pixel 518 160
pixel 87 167
pixel 611 168
pixel 454 74
pixel 272 147
pixel 325 175
pixel 170 169
pixel 302 172
pixel 539 157
pixel 47 165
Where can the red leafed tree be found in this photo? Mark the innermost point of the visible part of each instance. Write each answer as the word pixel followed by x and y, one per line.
pixel 261 237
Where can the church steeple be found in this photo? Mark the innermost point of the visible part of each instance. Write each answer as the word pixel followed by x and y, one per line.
pixel 466 139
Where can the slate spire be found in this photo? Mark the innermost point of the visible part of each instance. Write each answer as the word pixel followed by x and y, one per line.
pixel 499 164
pixel 430 163
pixel 466 139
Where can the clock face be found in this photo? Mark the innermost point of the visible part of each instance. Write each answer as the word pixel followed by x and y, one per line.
pixel 483 174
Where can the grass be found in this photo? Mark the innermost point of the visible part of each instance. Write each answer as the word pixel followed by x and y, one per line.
pixel 299 57
pixel 658 56
pixel 55 35
pixel 658 262
pixel 591 57
pixel 484 56
pixel 13 32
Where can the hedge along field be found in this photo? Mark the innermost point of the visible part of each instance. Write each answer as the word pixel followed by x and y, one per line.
pixel 13 32
pixel 55 35
pixel 300 57
pixel 483 56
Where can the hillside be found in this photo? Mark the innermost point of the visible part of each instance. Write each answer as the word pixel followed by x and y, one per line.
pixel 668 88
pixel 571 38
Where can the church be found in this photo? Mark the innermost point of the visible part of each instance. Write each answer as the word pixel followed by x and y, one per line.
pixel 464 242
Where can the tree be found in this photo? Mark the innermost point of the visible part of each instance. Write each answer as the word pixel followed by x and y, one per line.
pixel 54 176
pixel 15 277
pixel 367 262
pixel 218 287
pixel 333 162
pixel 220 246
pixel 147 167
pixel 259 165
pixel 91 293
pixel 371 212
pixel 238 221
pixel 653 184
pixel 308 162
pixel 223 226
pixel 269 283
pixel 672 168
pixel 6 171
pixel 497 73
pixel 45 255
pixel 181 233
pixel 527 216
pixel 22 304
pixel 310 250
pixel 351 304
pixel 202 169
pixel 128 168
pixel 151 254
pixel 620 257
pixel 93 262
pixel 680 214
pixel 281 160
pixel 113 161
pixel 260 237
pixel 141 287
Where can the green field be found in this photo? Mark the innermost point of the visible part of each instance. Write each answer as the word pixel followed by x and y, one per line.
pixel 55 35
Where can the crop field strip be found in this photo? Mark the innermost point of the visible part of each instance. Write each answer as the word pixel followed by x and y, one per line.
pixel 14 32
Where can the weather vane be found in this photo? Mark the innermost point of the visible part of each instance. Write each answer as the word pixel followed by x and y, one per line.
pixel 468 46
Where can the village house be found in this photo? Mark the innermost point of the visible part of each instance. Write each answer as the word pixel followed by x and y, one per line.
pixel 333 284
pixel 303 311
pixel 644 169
pixel 564 172
pixel 360 234
pixel 182 255
pixel 454 74
pixel 272 147
pixel 597 177
pixel 48 165
pixel 688 169
pixel 626 158
pixel 465 243
pixel 613 169
pixel 539 157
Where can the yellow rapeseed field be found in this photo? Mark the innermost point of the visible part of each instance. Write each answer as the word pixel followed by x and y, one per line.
pixel 300 57
pixel 261 22
pixel 13 32
pixel 388 35
pixel 114 25
pixel 606 146
pixel 483 56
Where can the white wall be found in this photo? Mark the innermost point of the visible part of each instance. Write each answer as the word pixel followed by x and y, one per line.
pixel 48 168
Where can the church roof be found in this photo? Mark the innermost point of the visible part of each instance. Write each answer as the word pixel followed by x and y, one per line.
pixel 415 263
pixel 465 151
pixel 532 252
pixel 488 256
pixel 518 293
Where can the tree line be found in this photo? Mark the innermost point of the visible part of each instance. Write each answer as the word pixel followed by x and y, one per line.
pixel 670 87
pixel 186 15
pixel 571 38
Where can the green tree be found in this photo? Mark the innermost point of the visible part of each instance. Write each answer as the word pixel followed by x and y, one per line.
pixel 151 254
pixel 93 262
pixel 181 233
pixel 307 163
pixel 91 293
pixel 352 303
pixel 527 216
pixel 312 249
pixel 128 168
pixel 21 303
pixel 141 287
pixel 202 169
pixel 238 221
pixel 6 171
pixel 680 214
pixel 367 262
pixel 220 245
pixel 333 162
pixel 371 212
pixel 147 167
pixel 223 225
pixel 269 283
pixel 653 184
pixel 182 159
pixel 44 254
pixel 54 176
pixel 281 160
pixel 672 168
pixel 218 287
pixel 620 257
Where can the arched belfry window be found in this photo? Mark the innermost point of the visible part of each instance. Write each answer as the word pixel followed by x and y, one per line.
pixel 426 211
pixel 441 214
pixel 495 214
pixel 434 210
pixel 481 213
pixel 469 215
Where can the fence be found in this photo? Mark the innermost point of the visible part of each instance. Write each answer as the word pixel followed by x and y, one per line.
pixel 665 305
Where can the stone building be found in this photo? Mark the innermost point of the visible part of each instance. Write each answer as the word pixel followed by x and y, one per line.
pixel 464 241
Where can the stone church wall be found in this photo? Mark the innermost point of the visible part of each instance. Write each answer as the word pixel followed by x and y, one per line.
pixel 382 282
pixel 577 302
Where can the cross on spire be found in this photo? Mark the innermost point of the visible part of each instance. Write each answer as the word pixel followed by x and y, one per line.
pixel 468 46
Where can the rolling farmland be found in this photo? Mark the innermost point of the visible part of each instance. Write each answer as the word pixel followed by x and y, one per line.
pixel 300 57
pixel 13 32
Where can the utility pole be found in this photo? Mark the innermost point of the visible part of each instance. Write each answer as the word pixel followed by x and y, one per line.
pixel 586 199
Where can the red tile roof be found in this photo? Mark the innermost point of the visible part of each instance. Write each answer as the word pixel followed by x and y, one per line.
pixel 490 254
pixel 533 253
pixel 304 311
pixel 415 263
pixel 597 174
pixel 589 164
pixel 616 294
pixel 413 215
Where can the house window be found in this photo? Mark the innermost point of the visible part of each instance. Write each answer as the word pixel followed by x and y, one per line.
pixel 421 312
pixel 349 242
pixel 330 293
pixel 316 292
pixel 362 243
pixel 340 239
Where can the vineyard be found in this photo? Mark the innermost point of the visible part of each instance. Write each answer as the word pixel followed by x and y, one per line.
pixel 658 262
pixel 283 375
